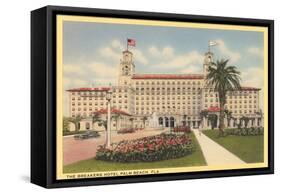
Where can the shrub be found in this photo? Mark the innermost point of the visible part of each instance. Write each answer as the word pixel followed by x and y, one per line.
pixel 147 149
pixel 126 130
pixel 129 130
pixel 246 131
pixel 184 129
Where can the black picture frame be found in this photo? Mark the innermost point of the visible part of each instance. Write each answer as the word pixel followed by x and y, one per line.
pixel 43 95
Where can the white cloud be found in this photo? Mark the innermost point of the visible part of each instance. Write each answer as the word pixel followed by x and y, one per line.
pixel 140 57
pixel 227 52
pixel 102 70
pixel 253 76
pixel 73 69
pixel 190 60
pixel 255 51
pixel 192 69
pixel 116 44
pixel 166 52
pixel 80 83
pixel 74 82
pixel 114 52
pixel 109 53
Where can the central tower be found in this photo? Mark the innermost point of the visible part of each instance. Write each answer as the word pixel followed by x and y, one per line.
pixel 208 60
pixel 126 68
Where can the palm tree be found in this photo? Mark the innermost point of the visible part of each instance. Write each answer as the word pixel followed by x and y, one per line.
pixel 223 78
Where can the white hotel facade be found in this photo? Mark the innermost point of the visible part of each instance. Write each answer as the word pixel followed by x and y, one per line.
pixel 162 100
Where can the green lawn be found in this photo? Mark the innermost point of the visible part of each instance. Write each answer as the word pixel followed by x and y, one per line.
pixel 248 148
pixel 92 165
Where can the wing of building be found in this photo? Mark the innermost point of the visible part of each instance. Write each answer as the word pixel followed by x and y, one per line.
pixel 165 100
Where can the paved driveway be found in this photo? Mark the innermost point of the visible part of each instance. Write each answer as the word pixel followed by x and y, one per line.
pixel 76 150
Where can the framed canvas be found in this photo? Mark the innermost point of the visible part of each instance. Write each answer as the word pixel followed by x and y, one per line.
pixel 126 96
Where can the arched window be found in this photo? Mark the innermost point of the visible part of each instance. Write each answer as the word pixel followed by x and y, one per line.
pixel 166 122
pixel 172 121
pixel 88 126
pixel 160 120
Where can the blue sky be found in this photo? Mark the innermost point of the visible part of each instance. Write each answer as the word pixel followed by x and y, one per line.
pixel 92 51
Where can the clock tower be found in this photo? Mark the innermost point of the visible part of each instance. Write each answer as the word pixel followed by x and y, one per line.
pixel 208 60
pixel 126 68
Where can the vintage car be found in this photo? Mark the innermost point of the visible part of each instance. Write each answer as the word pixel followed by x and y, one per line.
pixel 87 135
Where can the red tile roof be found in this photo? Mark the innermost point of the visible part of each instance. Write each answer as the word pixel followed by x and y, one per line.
pixel 113 111
pixel 168 76
pixel 249 88
pixel 213 109
pixel 88 89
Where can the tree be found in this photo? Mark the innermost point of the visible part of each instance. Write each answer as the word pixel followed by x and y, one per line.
pixel 184 120
pixel 246 121
pixel 228 114
pixel 116 117
pixel 103 123
pixel 144 119
pixel 95 119
pixel 203 114
pixel 65 124
pixel 213 118
pixel 76 121
pixel 223 78
pixel 132 121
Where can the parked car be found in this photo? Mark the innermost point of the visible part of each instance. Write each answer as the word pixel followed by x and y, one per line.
pixel 87 135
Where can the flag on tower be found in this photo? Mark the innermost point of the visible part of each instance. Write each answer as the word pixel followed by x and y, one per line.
pixel 131 42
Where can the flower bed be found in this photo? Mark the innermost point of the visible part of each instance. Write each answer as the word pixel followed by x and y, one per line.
pixel 183 129
pixel 147 149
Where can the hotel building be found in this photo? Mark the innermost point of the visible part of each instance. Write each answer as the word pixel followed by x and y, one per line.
pixel 163 100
